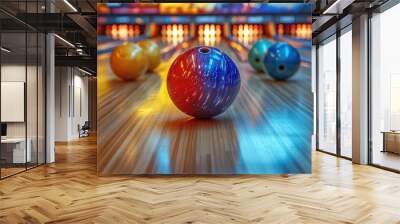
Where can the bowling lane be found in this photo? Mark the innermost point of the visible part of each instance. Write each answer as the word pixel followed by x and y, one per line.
pixel 266 130
pixel 107 78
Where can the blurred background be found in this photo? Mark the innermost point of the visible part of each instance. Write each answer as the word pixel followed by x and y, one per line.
pixel 208 23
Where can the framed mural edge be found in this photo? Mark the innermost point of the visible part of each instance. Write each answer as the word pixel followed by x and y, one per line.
pixel 204 88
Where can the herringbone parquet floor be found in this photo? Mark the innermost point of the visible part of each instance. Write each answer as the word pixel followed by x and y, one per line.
pixel 70 191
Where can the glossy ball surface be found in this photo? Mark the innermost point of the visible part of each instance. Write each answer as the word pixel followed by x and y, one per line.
pixel 128 61
pixel 282 61
pixel 203 82
pixel 153 53
pixel 257 54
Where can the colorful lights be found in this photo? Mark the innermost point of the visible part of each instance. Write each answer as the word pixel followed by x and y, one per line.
pixel 297 30
pixel 247 33
pixel 206 33
pixel 122 31
pixel 209 34
pixel 175 33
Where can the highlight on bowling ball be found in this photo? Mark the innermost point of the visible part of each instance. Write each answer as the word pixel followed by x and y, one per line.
pixel 128 61
pixel 282 61
pixel 257 53
pixel 203 82
pixel 152 51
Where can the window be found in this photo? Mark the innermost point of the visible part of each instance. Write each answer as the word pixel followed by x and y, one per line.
pixel 327 96
pixel 346 93
pixel 385 89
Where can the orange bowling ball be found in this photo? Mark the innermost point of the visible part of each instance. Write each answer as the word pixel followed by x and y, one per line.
pixel 153 53
pixel 128 61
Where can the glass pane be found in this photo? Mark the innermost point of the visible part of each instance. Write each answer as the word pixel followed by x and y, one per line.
pixel 385 89
pixel 327 96
pixel 41 98
pixel 31 98
pixel 22 88
pixel 32 86
pixel 13 86
pixel 346 93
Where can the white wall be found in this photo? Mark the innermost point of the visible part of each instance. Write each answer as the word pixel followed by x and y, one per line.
pixel 12 73
pixel 62 81
pixel 71 94
pixel 13 101
pixel 83 83
pixel 79 103
pixel 33 127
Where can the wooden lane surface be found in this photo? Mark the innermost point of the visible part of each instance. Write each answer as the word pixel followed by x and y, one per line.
pixel 267 129
pixel 70 191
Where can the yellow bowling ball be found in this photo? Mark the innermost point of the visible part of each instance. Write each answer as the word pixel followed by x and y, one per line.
pixel 128 61
pixel 153 53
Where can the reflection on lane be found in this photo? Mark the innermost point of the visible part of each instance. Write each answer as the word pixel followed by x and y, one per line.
pixel 277 121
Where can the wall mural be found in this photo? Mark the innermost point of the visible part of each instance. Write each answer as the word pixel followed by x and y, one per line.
pixel 204 88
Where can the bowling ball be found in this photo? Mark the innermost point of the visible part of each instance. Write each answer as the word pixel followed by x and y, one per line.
pixel 152 51
pixel 203 82
pixel 282 61
pixel 257 53
pixel 128 61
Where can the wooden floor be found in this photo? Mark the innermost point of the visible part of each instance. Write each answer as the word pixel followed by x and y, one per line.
pixel 8 171
pixel 267 130
pixel 70 191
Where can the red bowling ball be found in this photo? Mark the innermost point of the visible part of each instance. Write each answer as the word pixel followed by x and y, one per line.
pixel 203 82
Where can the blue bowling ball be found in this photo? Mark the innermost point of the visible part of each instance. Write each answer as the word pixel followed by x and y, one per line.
pixel 282 61
pixel 257 53
pixel 203 82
